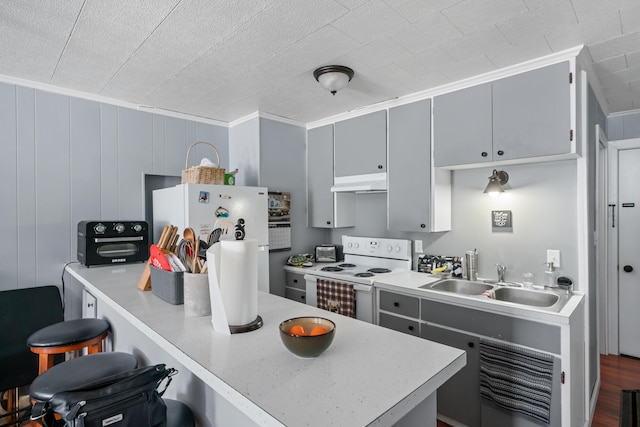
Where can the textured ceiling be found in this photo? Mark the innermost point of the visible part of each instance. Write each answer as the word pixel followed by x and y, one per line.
pixel 226 59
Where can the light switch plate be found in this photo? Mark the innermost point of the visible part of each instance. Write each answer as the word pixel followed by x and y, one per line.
pixel 553 255
pixel 417 244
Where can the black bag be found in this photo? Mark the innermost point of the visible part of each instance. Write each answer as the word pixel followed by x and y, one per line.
pixel 129 399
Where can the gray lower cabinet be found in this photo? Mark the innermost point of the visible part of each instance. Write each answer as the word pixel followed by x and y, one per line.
pixel 400 324
pixel 361 145
pixel 459 398
pixel 401 312
pixel 464 328
pixel 295 288
pixel 396 303
pixel 325 209
pixel 519 117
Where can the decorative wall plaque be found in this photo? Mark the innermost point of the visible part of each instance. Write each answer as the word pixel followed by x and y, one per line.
pixel 501 221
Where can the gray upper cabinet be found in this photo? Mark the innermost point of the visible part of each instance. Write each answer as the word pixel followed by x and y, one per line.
pixel 325 209
pixel 532 113
pixel 415 202
pixel 462 127
pixel 361 145
pixel 520 117
pixel 409 166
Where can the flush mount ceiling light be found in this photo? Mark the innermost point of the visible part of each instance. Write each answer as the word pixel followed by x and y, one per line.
pixel 496 181
pixel 333 77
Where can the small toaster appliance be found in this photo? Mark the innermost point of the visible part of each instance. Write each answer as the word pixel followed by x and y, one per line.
pixel 329 253
pixel 112 242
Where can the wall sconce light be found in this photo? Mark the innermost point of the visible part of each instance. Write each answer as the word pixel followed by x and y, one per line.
pixel 496 181
pixel 333 77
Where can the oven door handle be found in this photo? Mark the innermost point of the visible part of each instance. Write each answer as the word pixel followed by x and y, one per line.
pixel 357 286
pixel 117 239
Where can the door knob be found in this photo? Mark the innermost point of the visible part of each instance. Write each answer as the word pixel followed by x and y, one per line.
pixel 627 268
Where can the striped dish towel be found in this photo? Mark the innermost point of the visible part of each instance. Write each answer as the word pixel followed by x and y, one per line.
pixel 516 379
pixel 336 297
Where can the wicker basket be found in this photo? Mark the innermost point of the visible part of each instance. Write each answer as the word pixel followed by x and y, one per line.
pixel 202 174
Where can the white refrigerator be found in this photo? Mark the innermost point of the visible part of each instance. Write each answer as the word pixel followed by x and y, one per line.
pixel 202 206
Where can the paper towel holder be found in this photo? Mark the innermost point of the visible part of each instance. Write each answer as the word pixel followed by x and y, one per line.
pixel 238 329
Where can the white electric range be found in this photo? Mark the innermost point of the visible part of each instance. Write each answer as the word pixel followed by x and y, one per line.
pixel 365 259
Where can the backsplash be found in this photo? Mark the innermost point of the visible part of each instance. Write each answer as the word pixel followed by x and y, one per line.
pixel 541 197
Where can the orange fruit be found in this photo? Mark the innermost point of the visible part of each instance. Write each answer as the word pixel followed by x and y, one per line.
pixel 297 330
pixel 318 330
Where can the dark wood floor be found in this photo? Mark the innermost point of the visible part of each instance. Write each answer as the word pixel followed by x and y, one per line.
pixel 616 373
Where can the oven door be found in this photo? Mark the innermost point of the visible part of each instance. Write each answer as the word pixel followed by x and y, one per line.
pixel 364 297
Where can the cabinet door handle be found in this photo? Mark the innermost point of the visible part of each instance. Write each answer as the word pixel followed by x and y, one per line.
pixel 471 345
pixel 411 328
pixel 396 304
pixel 380 166
pixel 302 297
pixel 423 225
pixel 295 280
pixel 328 222
pixel 628 268
pixel 500 152
pixel 484 154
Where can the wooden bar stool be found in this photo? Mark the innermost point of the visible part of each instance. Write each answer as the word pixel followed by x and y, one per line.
pixel 66 336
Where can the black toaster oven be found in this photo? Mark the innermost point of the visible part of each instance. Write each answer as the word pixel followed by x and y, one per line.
pixel 112 242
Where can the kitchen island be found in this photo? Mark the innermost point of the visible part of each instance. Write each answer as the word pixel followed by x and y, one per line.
pixel 369 376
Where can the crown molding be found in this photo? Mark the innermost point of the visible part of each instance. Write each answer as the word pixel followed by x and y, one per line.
pixel 269 116
pixel 106 100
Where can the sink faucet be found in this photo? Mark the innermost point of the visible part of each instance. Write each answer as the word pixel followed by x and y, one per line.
pixel 501 270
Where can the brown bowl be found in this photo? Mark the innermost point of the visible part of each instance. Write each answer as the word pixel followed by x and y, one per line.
pixel 307 345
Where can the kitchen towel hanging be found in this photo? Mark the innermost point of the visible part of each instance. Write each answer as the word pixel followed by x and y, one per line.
pixel 233 283
pixel 516 379
pixel 336 297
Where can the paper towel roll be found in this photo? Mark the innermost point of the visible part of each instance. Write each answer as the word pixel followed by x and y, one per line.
pixel 236 271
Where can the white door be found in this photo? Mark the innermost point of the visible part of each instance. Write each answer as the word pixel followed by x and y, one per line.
pixel 629 251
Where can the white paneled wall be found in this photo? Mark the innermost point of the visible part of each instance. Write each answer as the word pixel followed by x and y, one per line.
pixel 67 159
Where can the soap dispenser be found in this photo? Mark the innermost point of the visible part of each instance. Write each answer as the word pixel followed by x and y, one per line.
pixel 550 276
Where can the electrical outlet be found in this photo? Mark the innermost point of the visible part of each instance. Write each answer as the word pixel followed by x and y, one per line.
pixel 553 255
pixel 417 244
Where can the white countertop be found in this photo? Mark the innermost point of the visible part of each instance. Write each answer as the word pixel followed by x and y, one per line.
pixel 369 375
pixel 410 281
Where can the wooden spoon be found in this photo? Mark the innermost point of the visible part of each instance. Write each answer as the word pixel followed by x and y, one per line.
pixel 196 263
pixel 189 235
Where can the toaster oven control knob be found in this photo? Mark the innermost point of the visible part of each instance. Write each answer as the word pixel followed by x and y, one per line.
pixel 137 228
pixel 119 227
pixel 99 228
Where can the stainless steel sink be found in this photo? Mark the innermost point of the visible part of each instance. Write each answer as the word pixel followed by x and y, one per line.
pixel 459 286
pixel 526 297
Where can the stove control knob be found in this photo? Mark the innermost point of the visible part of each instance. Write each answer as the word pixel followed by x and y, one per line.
pixel 100 228
pixel 389 248
pixel 119 227
pixel 137 228
pixel 397 248
pixel 349 244
pixel 357 245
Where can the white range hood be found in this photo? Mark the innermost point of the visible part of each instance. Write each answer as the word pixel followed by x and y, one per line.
pixel 360 183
